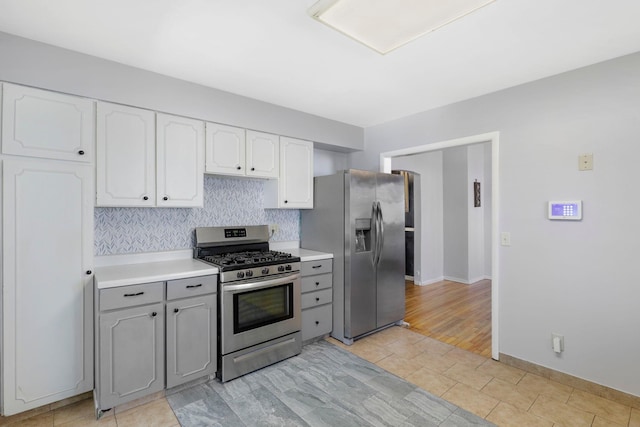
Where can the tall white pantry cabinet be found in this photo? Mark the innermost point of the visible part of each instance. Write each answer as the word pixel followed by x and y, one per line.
pixel 47 247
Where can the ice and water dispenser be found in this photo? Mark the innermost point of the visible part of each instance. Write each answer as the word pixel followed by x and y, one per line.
pixel 363 234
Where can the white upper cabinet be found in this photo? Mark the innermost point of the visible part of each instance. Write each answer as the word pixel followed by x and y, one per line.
pixel 144 159
pixel 39 123
pixel 125 166
pixel 294 188
pixel 263 154
pixel 225 150
pixel 180 161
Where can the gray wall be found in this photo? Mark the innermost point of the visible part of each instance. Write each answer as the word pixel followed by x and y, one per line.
pixel 37 64
pixel 327 162
pixel 456 222
pixel 571 278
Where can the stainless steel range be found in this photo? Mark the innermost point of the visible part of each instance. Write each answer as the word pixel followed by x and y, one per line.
pixel 259 298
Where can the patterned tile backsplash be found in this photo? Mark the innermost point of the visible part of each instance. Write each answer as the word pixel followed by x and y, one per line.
pixel 227 201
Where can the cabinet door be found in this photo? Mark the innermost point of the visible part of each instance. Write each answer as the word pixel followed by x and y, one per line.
pixel 296 173
pixel 180 161
pixel 225 150
pixel 39 123
pixel 263 154
pixel 47 300
pixel 191 339
pixel 126 158
pixel 131 354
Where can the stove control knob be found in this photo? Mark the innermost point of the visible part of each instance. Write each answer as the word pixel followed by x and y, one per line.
pixel 281 268
pixel 288 268
pixel 240 274
pixel 249 273
pixel 265 271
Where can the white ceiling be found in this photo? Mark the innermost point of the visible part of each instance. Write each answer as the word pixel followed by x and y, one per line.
pixel 273 51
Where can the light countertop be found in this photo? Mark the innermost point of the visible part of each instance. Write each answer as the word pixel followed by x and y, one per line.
pixel 307 254
pixel 131 274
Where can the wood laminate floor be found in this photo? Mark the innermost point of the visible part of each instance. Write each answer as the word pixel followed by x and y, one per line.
pixel 453 313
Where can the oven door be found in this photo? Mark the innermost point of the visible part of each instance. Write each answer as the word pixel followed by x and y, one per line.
pixel 256 311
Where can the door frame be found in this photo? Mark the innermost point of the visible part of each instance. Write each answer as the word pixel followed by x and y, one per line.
pixel 494 139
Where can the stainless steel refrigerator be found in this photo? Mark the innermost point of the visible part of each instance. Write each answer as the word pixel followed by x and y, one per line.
pixel 359 217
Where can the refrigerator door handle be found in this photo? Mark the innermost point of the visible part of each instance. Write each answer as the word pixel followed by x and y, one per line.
pixel 374 246
pixel 381 237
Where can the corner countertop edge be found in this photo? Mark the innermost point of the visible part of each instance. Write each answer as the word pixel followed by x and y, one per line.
pixel 308 255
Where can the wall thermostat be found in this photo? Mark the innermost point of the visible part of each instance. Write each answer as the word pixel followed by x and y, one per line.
pixel 567 210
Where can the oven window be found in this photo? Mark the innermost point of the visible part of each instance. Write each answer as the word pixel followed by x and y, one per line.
pixel 262 307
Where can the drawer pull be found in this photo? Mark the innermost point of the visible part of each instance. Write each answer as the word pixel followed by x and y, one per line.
pixel 194 286
pixel 175 310
pixel 317 323
pixel 317 299
pixel 154 314
pixel 317 283
pixel 133 295
pixel 317 266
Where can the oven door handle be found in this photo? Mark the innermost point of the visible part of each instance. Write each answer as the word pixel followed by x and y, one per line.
pixel 261 284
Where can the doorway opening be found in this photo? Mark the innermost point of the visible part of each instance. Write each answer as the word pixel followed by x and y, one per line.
pixel 491 140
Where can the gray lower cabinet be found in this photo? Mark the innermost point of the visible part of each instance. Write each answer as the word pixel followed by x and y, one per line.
pixel 131 354
pixel 191 339
pixel 138 327
pixel 317 296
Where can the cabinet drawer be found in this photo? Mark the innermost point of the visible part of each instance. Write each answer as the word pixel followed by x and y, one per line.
pixel 192 286
pixel 129 296
pixel 316 322
pixel 314 299
pixel 314 283
pixel 316 267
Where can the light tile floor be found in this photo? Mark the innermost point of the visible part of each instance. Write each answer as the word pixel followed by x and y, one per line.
pixel 499 393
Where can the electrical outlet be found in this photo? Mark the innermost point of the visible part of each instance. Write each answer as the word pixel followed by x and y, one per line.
pixel 273 229
pixel 557 343
pixel 505 238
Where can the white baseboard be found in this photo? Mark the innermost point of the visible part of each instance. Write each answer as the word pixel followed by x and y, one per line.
pixel 430 281
pixel 464 281
pixel 457 279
